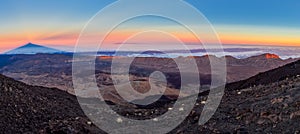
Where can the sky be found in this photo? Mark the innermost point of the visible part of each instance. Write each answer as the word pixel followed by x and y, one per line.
pixel 58 23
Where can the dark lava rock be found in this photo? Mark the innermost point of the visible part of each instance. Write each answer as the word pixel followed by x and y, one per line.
pixel 29 109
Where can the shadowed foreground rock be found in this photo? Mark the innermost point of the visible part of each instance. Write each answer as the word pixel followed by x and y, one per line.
pixel 26 108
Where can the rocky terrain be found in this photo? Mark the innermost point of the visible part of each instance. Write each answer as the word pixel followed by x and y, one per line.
pixel 271 108
pixel 267 106
pixel 33 109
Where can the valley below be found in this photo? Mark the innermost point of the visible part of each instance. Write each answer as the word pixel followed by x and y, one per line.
pixel 264 103
pixel 55 71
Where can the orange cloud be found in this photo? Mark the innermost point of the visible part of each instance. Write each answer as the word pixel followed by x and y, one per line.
pixel 227 35
pixel 259 40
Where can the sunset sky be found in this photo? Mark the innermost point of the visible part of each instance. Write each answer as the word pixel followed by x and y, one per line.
pixel 59 23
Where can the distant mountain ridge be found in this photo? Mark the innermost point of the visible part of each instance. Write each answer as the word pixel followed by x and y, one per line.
pixel 236 53
pixel 31 48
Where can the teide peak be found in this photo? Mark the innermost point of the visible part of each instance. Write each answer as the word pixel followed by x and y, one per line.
pixel 31 48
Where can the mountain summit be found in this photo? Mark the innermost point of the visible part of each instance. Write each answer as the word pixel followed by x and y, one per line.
pixel 272 56
pixel 33 49
pixel 265 56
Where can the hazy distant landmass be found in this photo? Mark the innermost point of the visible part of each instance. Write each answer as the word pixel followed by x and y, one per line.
pixel 33 49
pixel 230 50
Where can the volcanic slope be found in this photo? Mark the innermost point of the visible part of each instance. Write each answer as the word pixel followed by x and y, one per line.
pixel 34 109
